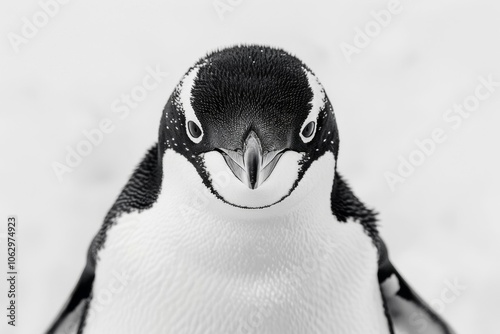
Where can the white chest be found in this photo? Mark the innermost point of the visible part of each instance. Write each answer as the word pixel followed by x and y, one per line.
pixel 290 269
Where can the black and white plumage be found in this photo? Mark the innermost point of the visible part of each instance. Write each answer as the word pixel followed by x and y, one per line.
pixel 238 213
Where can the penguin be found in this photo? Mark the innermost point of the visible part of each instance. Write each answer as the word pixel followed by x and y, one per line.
pixel 237 220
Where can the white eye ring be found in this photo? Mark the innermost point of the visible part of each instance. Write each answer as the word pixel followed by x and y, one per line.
pixel 318 103
pixel 184 98
pixel 309 130
pixel 193 135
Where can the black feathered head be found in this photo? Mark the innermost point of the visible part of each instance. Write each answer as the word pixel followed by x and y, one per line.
pixel 255 113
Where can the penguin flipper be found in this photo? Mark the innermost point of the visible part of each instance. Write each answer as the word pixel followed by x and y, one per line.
pixel 407 310
pixel 140 192
pixel 70 318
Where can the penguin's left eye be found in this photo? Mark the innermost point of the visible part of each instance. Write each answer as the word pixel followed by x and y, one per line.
pixel 194 129
pixel 308 129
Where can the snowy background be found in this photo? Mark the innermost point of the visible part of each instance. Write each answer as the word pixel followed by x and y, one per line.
pixel 441 224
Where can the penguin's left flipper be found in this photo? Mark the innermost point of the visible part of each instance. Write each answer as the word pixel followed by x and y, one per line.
pixel 68 321
pixel 408 312
pixel 139 193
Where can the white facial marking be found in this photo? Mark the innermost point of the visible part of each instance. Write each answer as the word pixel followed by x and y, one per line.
pixel 277 186
pixel 318 103
pixel 184 100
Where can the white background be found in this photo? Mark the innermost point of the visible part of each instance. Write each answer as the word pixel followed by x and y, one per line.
pixel 440 225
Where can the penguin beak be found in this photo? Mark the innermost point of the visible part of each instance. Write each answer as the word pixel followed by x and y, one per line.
pixel 252 166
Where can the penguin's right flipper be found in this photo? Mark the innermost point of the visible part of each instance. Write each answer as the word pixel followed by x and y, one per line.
pixel 68 321
pixel 408 312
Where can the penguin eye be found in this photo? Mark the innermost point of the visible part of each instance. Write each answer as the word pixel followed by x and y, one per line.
pixel 194 129
pixel 308 129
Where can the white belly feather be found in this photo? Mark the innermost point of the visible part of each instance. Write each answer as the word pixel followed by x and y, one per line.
pixel 290 268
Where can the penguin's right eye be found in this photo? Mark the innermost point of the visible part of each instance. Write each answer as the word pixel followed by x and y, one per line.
pixel 194 129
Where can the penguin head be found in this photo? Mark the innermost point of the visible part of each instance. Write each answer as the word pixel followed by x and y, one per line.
pixel 251 120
